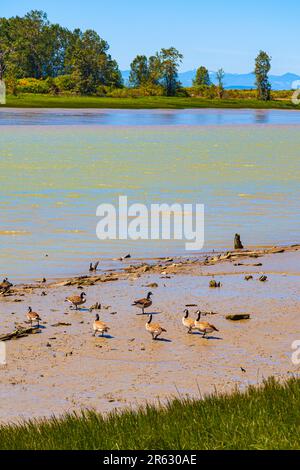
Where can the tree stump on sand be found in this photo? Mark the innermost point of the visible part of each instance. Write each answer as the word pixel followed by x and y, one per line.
pixel 237 242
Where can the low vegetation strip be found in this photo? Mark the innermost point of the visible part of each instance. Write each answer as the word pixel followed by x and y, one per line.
pixel 266 417
pixel 28 100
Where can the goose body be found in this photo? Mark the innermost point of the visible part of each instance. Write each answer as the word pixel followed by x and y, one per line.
pixel 154 328
pixel 99 326
pixel 93 268
pixel 33 316
pixel 143 303
pixel 77 300
pixel 187 322
pixel 203 326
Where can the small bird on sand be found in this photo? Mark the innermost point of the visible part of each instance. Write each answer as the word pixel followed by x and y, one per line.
pixel 154 328
pixel 99 326
pixel 203 326
pixel 5 285
pixel 189 323
pixel 143 303
pixel 33 317
pixel 77 300
pixel 93 267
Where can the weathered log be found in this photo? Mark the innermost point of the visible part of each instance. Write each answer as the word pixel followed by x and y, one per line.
pixel 238 317
pixel 20 332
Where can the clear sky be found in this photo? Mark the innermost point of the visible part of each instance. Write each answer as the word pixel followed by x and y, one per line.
pixel 214 33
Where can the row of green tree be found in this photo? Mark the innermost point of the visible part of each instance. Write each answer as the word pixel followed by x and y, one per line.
pixel 203 82
pixel 31 48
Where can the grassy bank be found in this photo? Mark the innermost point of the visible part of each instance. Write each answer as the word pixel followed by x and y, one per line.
pixel 263 418
pixel 148 102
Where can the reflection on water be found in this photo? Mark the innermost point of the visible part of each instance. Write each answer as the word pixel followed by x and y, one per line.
pixel 262 117
pixel 52 179
pixel 157 117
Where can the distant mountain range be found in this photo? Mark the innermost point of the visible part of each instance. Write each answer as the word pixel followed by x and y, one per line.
pixel 236 80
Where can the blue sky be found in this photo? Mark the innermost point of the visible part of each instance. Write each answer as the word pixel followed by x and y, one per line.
pixel 218 33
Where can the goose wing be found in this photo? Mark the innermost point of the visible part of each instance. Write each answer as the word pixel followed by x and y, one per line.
pixel 74 298
pixel 141 302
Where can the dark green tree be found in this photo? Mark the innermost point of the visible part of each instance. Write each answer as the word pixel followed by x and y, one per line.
pixel 155 69
pixel 36 47
pixel 262 69
pixel 139 71
pixel 6 46
pixel 170 59
pixel 90 64
pixel 202 77
pixel 32 47
pixel 220 80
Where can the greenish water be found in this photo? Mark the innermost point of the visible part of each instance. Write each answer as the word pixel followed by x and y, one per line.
pixel 53 178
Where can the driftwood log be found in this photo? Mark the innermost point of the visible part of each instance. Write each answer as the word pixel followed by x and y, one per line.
pixel 238 317
pixel 20 332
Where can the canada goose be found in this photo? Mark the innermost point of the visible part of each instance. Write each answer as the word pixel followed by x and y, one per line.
pixel 33 316
pixel 143 303
pixel 203 326
pixel 154 328
pixel 189 323
pixel 77 300
pixel 99 326
pixel 5 285
pixel 93 268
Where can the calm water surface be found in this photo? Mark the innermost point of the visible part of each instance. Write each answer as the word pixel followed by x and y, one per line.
pixel 53 176
pixel 156 117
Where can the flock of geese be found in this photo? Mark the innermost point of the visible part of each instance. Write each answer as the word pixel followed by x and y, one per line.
pixel 155 329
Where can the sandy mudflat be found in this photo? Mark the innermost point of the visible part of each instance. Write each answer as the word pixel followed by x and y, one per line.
pixel 65 368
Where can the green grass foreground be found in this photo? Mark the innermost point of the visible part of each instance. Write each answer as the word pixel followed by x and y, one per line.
pixel 148 102
pixel 267 417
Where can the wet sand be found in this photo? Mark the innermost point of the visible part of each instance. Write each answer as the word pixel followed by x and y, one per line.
pixel 65 368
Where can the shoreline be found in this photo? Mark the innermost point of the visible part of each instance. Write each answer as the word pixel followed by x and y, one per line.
pixel 151 102
pixel 94 110
pixel 158 265
pixel 67 369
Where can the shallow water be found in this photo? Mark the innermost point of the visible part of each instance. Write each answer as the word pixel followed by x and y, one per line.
pixel 52 178
pixel 146 117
